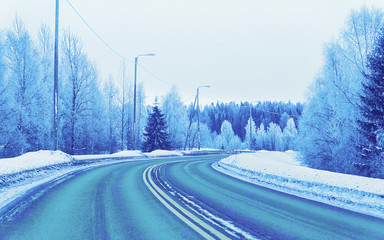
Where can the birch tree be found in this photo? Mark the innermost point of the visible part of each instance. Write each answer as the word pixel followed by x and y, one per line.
pixel 76 97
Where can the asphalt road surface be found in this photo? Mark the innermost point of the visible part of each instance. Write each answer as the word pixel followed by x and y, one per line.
pixel 174 198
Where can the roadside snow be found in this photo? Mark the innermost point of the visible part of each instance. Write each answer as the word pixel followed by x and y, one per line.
pixel 105 156
pixel 283 172
pixel 162 153
pixel 33 160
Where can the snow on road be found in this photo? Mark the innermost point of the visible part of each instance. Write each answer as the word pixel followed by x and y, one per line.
pixel 282 171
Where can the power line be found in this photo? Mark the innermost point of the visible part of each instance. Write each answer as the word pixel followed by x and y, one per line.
pixel 94 32
pixel 276 113
pixel 153 75
pixel 117 53
pixel 183 101
pixel 161 80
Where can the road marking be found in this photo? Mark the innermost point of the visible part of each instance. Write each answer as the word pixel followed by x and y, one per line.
pixel 174 207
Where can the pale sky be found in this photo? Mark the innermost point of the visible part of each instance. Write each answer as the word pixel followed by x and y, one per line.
pixel 247 50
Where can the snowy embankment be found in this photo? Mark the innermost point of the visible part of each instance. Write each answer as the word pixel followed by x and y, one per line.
pixel 19 174
pixel 283 172
pixel 163 153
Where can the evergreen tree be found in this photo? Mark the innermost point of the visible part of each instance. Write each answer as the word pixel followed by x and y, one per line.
pixel 156 133
pixel 372 109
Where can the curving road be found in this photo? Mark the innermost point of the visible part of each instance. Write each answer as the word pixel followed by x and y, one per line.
pixel 179 198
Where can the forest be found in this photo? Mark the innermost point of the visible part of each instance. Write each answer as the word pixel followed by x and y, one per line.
pixel 342 124
pixel 339 128
pixel 96 115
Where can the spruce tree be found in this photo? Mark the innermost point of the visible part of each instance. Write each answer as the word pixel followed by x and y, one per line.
pixel 372 110
pixel 156 134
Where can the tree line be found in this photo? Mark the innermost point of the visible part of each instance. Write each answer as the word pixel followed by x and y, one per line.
pixel 342 123
pixel 95 115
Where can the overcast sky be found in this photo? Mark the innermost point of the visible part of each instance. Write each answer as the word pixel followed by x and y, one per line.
pixel 247 50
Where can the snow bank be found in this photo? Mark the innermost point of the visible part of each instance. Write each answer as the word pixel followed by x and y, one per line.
pixel 33 160
pixel 163 153
pixel 136 153
pixel 121 154
pixel 202 151
pixel 282 171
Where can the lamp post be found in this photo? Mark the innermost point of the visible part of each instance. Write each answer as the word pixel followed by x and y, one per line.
pixel 198 114
pixel 134 98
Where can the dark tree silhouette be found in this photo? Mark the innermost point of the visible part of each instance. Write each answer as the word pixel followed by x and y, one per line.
pixel 156 136
pixel 372 109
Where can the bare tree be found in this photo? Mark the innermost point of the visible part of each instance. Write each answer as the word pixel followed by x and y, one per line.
pixel 123 101
pixel 110 92
pixel 77 97
pixel 23 73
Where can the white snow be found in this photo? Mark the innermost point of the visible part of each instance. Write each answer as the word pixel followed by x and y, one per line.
pixel 283 171
pixel 114 155
pixel 136 153
pixel 162 153
pixel 33 160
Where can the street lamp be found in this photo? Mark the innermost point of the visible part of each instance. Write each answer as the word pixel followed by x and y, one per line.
pixel 198 114
pixel 134 97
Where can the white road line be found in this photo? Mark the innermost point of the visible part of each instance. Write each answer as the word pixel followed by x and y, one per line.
pixel 174 206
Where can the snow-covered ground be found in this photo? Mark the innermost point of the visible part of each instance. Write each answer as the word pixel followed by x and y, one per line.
pixel 33 160
pixel 282 171
pixel 121 154
pixel 163 153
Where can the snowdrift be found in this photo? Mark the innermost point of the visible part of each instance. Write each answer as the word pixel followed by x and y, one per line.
pixel 33 160
pixel 163 153
pixel 283 172
pixel 122 154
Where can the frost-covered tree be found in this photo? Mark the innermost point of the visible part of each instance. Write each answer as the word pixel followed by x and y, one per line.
pixel 250 142
pixel 123 104
pixel 21 57
pixel 110 96
pixel 283 120
pixel 141 114
pixel 261 138
pixel 76 94
pixel 235 143
pixel 206 138
pixel 45 86
pixel 5 110
pixel 372 110
pixel 95 122
pixel 156 133
pixel 289 135
pixel 227 135
pixel 176 117
pixel 274 137
pixel 328 128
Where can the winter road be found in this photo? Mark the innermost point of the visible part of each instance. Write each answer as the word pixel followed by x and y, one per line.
pixel 178 198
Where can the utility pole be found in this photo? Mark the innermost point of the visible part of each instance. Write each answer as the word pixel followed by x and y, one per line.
pixel 198 115
pixel 198 119
pixel 134 98
pixel 190 124
pixel 250 126
pixel 56 79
